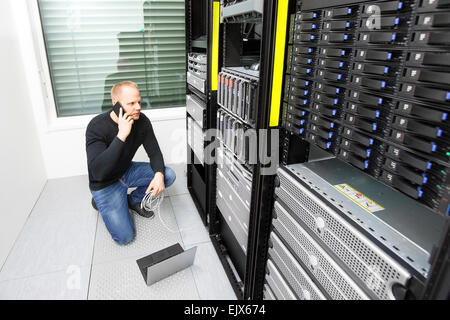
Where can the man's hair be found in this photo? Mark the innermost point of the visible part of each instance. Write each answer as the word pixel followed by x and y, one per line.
pixel 116 89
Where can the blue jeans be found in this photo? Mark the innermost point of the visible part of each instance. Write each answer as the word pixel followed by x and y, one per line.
pixel 112 200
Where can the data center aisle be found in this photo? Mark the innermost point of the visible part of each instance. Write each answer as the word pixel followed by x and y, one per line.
pixel 65 252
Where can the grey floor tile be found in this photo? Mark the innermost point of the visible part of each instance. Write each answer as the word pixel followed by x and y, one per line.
pixel 151 235
pixel 180 184
pixel 71 284
pixel 188 219
pixel 51 243
pixel 123 280
pixel 64 235
pixel 64 195
pixel 183 201
pixel 210 277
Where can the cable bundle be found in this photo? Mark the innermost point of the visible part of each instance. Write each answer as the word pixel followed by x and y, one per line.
pixel 152 203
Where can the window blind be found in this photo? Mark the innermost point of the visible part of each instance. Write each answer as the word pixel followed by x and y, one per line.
pixel 93 44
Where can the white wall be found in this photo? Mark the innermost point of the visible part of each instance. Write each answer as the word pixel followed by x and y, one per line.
pixel 65 154
pixel 63 139
pixel 22 169
pixel 35 144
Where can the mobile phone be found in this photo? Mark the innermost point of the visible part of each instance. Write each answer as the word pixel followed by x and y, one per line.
pixel 117 107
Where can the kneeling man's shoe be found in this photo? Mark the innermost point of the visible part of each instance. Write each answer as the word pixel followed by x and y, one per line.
pixel 94 205
pixel 137 208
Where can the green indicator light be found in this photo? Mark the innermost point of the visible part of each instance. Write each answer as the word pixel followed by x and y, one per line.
pixel 448 153
pixel 442 171
pixel 439 186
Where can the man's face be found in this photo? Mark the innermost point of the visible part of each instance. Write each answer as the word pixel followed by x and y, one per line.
pixel 130 99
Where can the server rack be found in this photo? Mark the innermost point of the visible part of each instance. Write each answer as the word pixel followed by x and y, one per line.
pixel 202 60
pixel 281 19
pixel 240 120
pixel 366 83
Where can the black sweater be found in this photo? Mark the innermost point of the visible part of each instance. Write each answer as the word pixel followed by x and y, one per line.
pixel 108 157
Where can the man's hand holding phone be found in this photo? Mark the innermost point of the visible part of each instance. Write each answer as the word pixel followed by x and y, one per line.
pixel 125 123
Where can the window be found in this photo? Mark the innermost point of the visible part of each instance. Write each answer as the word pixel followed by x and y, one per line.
pixel 93 44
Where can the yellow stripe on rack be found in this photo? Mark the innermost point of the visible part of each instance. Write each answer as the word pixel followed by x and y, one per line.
pixel 215 46
pixel 278 61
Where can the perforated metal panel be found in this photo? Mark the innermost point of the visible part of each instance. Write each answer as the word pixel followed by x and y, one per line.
pixel 239 177
pixel 122 280
pixel 230 212
pixel 233 198
pixel 280 288
pixel 298 279
pixel 195 107
pixel 328 273
pixel 268 294
pixel 368 262
pixel 195 138
pixel 196 82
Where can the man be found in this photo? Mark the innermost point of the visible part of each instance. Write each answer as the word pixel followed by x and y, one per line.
pixel 111 143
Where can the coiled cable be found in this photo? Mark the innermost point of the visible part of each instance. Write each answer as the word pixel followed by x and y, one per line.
pixel 153 203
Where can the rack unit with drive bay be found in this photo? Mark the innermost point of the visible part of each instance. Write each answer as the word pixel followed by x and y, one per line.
pixel 243 99
pixel 362 215
pixel 237 96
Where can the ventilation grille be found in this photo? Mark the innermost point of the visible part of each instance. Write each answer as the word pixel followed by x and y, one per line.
pixel 268 294
pixel 374 268
pixel 195 139
pixel 277 283
pixel 327 272
pixel 300 282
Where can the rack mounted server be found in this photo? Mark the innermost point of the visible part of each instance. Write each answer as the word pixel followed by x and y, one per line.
pixel 340 234
pixel 237 99
pixel 197 69
pixel 366 81
pixel 242 106
pixel 196 124
pixel 375 91
pixel 238 93
pixel 234 190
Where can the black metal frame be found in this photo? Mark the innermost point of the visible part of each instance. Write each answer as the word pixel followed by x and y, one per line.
pixel 437 286
pixel 225 250
pixel 208 212
pixel 224 244
pixel 262 185
pixel 222 240
pixel 250 287
pixel 227 247
pixel 203 193
pixel 260 224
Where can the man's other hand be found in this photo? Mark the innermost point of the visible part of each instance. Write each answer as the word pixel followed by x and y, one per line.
pixel 157 184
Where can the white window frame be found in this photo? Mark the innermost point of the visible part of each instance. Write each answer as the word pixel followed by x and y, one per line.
pixel 55 123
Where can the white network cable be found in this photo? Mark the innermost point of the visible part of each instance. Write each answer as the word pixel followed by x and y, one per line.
pixel 153 203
